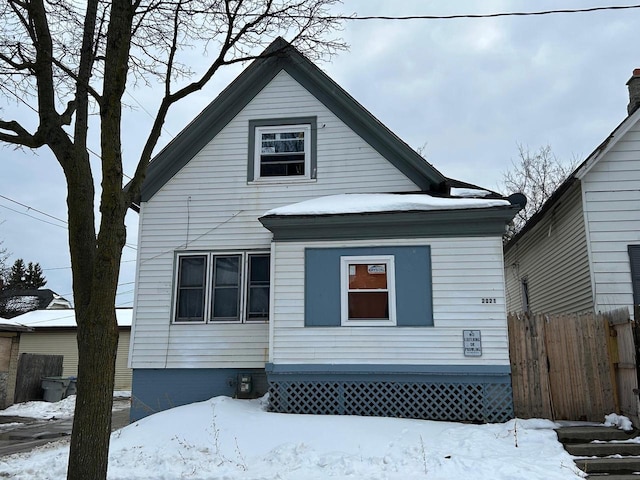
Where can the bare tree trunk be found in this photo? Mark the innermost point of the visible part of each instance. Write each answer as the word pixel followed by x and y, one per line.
pixel 97 346
pixel 96 317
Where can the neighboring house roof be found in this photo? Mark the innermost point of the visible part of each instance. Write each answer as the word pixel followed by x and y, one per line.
pixel 280 55
pixel 10 327
pixel 16 302
pixel 577 175
pixel 62 318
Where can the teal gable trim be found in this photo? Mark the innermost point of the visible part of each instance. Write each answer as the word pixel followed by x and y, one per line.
pixel 277 57
pixel 414 306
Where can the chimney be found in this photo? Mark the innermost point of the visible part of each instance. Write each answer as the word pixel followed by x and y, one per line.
pixel 634 91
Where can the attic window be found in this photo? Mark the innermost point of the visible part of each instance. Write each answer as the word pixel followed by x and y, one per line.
pixel 282 149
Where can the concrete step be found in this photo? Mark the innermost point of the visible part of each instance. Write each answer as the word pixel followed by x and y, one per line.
pixel 618 466
pixel 606 476
pixel 602 449
pixel 587 434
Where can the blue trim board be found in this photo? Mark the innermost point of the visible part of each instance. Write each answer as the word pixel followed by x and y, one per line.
pixel 155 390
pixel 382 372
pixel 388 368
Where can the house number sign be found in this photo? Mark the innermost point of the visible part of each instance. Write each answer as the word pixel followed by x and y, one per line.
pixel 472 343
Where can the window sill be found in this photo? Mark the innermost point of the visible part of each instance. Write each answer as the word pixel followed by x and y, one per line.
pixel 368 323
pixel 281 181
pixel 219 322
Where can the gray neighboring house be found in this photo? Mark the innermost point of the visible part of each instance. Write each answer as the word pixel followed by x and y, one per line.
pixel 581 252
pixel 289 242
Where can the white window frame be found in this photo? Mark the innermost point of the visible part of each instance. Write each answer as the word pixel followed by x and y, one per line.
pixel 257 154
pixel 388 261
pixel 208 287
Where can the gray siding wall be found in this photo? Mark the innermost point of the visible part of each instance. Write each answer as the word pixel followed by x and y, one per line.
pixel 553 258
pixel 612 211
pixel 209 205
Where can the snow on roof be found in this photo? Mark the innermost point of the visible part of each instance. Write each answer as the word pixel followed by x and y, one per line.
pixel 381 202
pixel 469 192
pixel 62 318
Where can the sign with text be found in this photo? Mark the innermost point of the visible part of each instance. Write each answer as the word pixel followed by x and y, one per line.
pixel 472 341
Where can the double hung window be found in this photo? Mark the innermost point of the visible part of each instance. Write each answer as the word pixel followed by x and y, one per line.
pixel 368 290
pixel 283 151
pixel 225 287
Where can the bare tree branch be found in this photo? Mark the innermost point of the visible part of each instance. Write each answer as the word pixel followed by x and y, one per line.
pixel 537 175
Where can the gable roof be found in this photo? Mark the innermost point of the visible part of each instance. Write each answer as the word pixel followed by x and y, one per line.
pixel 578 174
pixel 280 55
pixel 16 302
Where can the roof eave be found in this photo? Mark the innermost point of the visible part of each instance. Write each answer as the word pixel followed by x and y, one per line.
pixel 490 221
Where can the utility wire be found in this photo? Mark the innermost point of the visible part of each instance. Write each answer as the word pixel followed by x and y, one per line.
pixel 69 267
pixel 28 207
pixel 486 15
pixel 34 209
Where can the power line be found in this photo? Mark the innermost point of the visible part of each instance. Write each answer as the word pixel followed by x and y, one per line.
pixel 28 207
pixel 69 267
pixel 486 15
pixel 31 216
pixel 34 209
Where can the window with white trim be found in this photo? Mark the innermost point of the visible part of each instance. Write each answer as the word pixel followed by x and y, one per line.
pixel 367 286
pixel 222 287
pixel 282 151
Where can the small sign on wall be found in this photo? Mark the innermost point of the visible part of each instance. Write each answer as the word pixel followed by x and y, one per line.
pixel 472 342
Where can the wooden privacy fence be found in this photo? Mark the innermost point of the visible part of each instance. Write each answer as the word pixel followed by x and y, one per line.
pixel 569 367
pixel 31 369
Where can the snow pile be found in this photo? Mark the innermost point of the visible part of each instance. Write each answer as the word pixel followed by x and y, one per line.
pixel 58 410
pixel 43 410
pixel 381 202
pixel 620 421
pixel 236 439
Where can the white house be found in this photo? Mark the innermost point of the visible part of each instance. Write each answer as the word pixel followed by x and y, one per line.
pixel 289 242
pixel 581 252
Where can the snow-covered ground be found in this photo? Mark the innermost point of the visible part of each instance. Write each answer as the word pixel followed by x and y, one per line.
pixel 237 439
pixel 50 411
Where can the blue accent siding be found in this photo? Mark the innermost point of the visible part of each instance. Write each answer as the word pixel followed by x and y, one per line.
pixel 155 390
pixel 414 306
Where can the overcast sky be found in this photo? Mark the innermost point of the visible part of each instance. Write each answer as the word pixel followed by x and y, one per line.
pixel 467 91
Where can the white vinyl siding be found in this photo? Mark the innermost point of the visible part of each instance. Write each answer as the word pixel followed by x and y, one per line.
pixel 553 259
pixel 63 342
pixel 464 271
pixel 209 205
pixel 612 212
